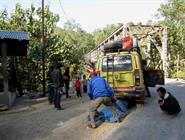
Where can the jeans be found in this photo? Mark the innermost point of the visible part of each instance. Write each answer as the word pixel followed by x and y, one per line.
pixel 85 89
pixel 121 107
pixel 78 92
pixel 51 93
pixel 97 103
pixel 67 89
pixel 57 97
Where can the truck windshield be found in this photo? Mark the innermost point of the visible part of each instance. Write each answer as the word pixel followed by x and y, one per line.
pixel 120 63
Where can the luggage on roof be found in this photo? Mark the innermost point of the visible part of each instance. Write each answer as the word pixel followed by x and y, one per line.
pixel 125 43
pixel 113 45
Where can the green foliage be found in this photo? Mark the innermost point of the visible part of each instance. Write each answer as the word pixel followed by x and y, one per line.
pixel 72 25
pixel 66 46
pixel 180 75
pixel 77 43
pixel 3 19
pixel 173 13
pixel 101 34
pixel 29 20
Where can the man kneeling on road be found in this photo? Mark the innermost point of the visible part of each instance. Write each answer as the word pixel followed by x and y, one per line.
pixel 168 102
pixel 101 93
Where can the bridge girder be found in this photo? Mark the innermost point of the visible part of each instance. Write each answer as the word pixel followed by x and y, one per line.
pixel 142 32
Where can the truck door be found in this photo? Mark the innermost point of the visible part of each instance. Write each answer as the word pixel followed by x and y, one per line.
pixel 118 70
pixel 110 69
pixel 153 77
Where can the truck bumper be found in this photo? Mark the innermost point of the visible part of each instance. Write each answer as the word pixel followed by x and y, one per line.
pixel 133 93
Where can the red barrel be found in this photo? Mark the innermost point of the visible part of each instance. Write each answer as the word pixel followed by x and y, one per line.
pixel 127 42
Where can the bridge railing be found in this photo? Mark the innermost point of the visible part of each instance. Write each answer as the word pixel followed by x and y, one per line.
pixel 93 55
pixel 139 31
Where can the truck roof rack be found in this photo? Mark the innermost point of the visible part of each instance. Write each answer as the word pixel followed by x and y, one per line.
pixel 136 49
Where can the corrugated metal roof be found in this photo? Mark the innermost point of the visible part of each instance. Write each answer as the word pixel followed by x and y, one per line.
pixel 13 35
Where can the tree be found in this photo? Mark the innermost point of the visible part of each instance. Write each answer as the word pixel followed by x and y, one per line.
pixel 77 41
pixel 173 13
pixel 29 20
pixel 101 34
pixel 72 25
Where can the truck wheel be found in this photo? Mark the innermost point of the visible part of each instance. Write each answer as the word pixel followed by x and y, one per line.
pixel 140 103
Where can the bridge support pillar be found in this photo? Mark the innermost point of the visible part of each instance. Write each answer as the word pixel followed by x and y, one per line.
pixel 164 52
pixel 149 46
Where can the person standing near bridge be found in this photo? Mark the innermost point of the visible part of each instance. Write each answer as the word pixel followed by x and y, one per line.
pixel 168 102
pixel 66 81
pixel 145 76
pixel 99 92
pixel 78 87
pixel 84 83
pixel 57 84
pixel 50 85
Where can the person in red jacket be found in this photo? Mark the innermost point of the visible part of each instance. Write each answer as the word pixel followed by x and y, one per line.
pixel 78 87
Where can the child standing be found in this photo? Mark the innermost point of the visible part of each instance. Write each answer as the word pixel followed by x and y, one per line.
pixel 78 87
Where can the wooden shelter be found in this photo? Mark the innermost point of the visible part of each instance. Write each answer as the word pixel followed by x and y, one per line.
pixel 12 43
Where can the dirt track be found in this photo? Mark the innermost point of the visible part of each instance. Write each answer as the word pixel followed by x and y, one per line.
pixel 150 123
pixel 145 122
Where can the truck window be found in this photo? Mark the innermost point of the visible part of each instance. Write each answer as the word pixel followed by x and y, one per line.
pixel 121 63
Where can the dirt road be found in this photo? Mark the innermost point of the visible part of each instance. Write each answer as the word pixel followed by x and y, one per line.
pixel 146 122
pixel 150 123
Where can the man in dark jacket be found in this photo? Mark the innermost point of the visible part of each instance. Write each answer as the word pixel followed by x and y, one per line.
pixel 100 93
pixel 168 102
pixel 51 86
pixel 57 84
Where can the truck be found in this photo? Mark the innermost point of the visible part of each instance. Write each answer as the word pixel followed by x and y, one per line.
pixel 122 66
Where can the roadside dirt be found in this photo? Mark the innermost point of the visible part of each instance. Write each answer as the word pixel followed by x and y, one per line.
pixel 146 122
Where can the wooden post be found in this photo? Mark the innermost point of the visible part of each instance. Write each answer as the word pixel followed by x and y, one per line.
pixel 149 46
pixel 115 37
pixel 125 31
pixel 148 50
pixel 178 66
pixel 43 52
pixel 5 71
pixel 164 51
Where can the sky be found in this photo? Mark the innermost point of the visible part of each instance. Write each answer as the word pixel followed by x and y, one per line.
pixel 94 14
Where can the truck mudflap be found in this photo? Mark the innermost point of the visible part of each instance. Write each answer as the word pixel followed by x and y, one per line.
pixel 153 77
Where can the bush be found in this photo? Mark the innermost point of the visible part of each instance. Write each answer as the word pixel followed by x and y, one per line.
pixel 180 75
